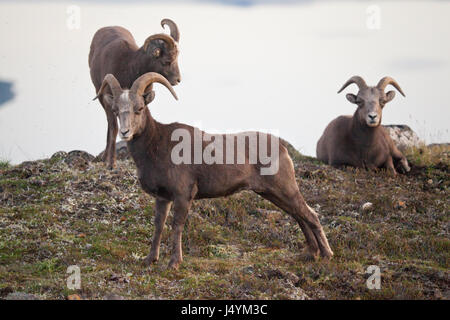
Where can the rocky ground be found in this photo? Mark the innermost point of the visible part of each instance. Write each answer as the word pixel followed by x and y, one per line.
pixel 71 210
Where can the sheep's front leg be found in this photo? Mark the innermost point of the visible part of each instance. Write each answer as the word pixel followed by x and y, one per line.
pixel 113 128
pixel 390 166
pixel 181 209
pixel 398 156
pixel 162 210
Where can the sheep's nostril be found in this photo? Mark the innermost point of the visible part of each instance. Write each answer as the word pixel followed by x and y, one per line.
pixel 373 117
pixel 124 132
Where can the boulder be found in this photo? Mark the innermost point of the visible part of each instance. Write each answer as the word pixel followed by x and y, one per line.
pixel 78 159
pixel 21 296
pixel 121 151
pixel 403 136
pixel 82 154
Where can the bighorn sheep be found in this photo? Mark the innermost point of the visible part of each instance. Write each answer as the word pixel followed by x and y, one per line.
pixel 360 140
pixel 151 146
pixel 114 50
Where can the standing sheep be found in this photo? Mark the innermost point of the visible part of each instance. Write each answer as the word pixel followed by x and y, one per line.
pixel 360 140
pixel 151 146
pixel 114 51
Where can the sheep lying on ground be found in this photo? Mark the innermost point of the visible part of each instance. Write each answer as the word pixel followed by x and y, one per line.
pixel 152 147
pixel 114 50
pixel 360 140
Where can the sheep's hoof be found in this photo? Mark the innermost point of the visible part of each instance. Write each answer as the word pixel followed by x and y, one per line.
pixel 406 167
pixel 150 260
pixel 174 264
pixel 327 255
pixel 309 255
pixel 111 166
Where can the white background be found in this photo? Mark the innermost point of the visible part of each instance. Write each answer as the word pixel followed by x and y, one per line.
pixel 269 67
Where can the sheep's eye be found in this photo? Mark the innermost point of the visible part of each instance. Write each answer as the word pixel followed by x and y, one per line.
pixel 138 110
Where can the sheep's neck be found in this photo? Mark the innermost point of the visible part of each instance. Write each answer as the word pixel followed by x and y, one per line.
pixel 143 146
pixel 139 63
pixel 363 135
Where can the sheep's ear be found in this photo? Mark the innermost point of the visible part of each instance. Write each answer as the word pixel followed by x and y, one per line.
pixel 108 98
pixel 351 97
pixel 152 48
pixel 149 94
pixel 148 97
pixel 389 96
pixel 156 52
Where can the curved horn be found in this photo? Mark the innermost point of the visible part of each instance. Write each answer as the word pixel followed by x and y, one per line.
pixel 160 36
pixel 113 84
pixel 384 82
pixel 174 32
pixel 355 79
pixel 148 78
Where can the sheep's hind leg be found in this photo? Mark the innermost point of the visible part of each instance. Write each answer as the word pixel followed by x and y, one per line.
pixel 162 210
pixel 308 220
pixel 302 211
pixel 312 250
pixel 181 209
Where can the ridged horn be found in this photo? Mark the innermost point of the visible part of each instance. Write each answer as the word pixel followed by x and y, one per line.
pixel 160 36
pixel 174 32
pixel 355 79
pixel 113 84
pixel 384 82
pixel 146 79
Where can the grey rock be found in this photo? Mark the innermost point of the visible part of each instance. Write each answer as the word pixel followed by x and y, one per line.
pixel 113 296
pixel 78 159
pixel 367 206
pixel 248 270
pixel 21 296
pixel 121 151
pixel 431 145
pixel 59 155
pixel 82 154
pixel 403 136
pixel 294 293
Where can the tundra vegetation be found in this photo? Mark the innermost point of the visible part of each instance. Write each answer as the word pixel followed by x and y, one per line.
pixel 71 210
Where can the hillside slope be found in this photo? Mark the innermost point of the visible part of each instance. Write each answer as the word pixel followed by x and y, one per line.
pixel 71 210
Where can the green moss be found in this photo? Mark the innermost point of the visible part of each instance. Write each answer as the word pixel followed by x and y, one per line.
pixel 4 164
